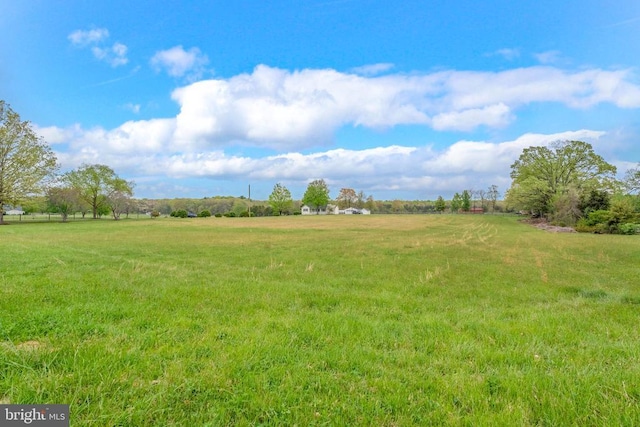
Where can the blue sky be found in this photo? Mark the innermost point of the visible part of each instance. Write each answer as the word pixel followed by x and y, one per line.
pixel 408 99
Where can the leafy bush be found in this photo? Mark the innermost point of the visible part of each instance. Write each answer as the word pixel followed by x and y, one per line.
pixel 181 213
pixel 622 211
pixel 583 226
pixel 629 228
pixel 155 214
pixel 204 214
pixel 218 215
pixel 598 217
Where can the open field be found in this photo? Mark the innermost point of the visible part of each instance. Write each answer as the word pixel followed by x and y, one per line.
pixel 339 320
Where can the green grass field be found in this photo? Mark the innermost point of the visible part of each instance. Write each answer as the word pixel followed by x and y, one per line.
pixel 339 320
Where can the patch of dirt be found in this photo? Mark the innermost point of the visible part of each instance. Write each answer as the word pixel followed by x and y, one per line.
pixel 29 345
pixel 544 225
pixel 25 346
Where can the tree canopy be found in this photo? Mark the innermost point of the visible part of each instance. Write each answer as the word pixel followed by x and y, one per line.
pixel 317 194
pixel 100 188
pixel 456 203
pixel 465 203
pixel 280 199
pixel 26 161
pixel 347 198
pixel 542 174
pixel 632 180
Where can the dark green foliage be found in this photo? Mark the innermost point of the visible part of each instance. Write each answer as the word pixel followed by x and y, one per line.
pixel 621 218
pixel 181 213
pixel 595 200
pixel 204 214
pixel 466 201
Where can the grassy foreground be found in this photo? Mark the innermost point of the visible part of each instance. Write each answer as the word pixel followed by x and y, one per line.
pixel 341 320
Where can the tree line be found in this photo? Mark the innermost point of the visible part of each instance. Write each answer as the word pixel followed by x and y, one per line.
pixel 566 183
pixel 28 167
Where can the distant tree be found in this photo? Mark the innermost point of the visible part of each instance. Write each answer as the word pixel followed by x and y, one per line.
pixel 632 180
pixel 456 203
pixel 493 194
pixel 440 205
pixel 397 206
pixel 317 195
pixel 370 204
pixel 280 199
pixel 239 206
pixel 119 197
pixel 361 200
pixel 62 200
pixel 27 163
pixel 482 196
pixel 542 173
pixel 466 201
pixel 347 198
pixel 35 204
pixel 99 187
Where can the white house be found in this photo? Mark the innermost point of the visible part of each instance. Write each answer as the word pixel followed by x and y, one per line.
pixel 352 211
pixel 328 210
pixel 14 212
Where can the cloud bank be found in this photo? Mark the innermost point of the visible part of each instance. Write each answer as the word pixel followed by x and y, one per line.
pixel 289 112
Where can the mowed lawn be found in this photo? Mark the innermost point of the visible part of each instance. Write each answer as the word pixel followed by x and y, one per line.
pixel 339 320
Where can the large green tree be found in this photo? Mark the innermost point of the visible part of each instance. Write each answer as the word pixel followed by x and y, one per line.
pixel 440 205
pixel 280 199
pixel 27 163
pixel 317 195
pixel 100 187
pixel 542 174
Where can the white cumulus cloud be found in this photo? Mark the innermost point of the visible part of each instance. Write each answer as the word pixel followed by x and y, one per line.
pixel 283 109
pixel 297 113
pixel 95 39
pixel 178 62
pixel 83 38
